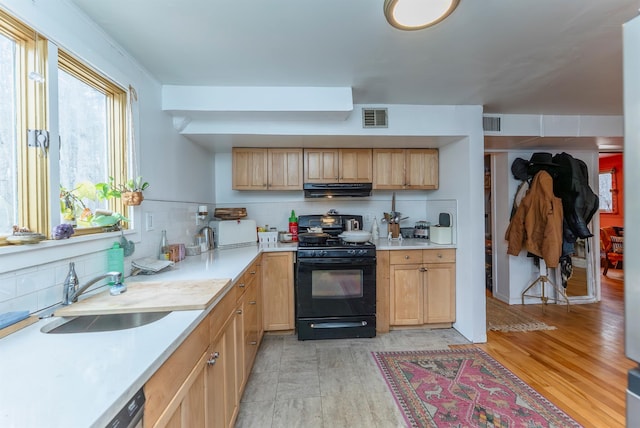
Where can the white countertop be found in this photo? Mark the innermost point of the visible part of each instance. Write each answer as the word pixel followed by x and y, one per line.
pixel 84 379
pixel 410 244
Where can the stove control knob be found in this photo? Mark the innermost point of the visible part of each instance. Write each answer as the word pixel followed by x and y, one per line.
pixel 362 252
pixel 320 253
pixel 351 252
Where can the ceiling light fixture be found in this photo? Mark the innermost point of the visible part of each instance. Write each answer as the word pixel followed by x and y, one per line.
pixel 417 14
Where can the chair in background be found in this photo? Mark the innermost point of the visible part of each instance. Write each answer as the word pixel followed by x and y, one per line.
pixel 611 247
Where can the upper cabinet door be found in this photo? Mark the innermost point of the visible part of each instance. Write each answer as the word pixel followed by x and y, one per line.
pixel 285 169
pixel 249 168
pixel 321 166
pixel 421 169
pixel 388 168
pixel 356 166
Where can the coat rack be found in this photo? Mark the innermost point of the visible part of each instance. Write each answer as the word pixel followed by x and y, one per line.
pixel 543 279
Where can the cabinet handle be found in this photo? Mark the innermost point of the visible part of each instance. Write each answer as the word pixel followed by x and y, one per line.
pixel 439 255
pixel 239 312
pixel 253 342
pixel 253 302
pixel 212 358
pixel 407 257
pixel 253 272
pixel 241 285
pixel 422 269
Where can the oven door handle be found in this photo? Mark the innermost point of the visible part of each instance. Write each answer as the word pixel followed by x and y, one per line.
pixel 338 324
pixel 337 262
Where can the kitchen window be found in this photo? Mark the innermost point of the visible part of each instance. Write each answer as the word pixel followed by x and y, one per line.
pixel 89 148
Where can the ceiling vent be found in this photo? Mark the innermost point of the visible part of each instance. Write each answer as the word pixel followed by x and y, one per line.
pixel 491 123
pixel 374 118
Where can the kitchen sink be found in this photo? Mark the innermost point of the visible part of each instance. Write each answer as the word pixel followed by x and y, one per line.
pixel 97 323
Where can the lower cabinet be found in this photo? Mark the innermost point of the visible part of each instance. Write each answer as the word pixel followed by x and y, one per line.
pixel 175 394
pixel 422 287
pixel 277 291
pixel 201 383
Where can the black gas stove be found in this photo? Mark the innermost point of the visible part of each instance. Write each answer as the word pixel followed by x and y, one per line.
pixel 335 282
pixel 332 225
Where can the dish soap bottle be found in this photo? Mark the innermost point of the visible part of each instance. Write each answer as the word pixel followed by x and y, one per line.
pixel 293 226
pixel 375 231
pixel 115 259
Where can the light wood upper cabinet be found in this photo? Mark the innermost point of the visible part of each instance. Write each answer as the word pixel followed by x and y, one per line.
pixel 338 166
pixel 355 166
pixel 284 169
pixel 397 169
pixel 266 169
pixel 249 169
pixel 421 168
pixel 388 168
pixel 321 165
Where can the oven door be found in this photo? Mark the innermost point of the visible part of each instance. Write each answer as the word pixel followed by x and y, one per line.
pixel 335 287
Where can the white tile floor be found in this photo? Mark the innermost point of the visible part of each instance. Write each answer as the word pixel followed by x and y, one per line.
pixel 328 383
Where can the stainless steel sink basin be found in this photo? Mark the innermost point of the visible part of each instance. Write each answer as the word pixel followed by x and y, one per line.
pixel 96 323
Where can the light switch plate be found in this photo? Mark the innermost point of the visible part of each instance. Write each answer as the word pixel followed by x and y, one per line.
pixel 149 222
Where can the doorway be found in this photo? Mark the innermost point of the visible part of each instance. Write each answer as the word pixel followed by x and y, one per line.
pixel 508 276
pixel 611 214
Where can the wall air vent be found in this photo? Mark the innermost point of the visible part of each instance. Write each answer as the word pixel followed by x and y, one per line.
pixel 374 118
pixel 491 123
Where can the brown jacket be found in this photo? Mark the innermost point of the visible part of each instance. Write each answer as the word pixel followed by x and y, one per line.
pixel 537 224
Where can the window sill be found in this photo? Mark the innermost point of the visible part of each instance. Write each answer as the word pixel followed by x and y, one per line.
pixel 14 257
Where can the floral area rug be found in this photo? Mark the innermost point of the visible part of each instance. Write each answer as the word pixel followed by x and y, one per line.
pixel 464 388
pixel 502 317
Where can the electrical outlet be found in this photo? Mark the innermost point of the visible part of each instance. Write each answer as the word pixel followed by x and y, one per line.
pixel 149 222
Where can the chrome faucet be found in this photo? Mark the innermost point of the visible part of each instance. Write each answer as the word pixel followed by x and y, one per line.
pixel 71 292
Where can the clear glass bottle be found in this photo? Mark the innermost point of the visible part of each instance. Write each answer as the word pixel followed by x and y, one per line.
pixel 375 230
pixel 71 284
pixel 163 253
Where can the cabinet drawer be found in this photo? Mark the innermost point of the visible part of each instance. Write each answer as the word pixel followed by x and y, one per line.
pixel 405 257
pixel 439 256
pixel 219 315
pixel 246 280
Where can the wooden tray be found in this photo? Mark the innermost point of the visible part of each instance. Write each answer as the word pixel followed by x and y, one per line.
pixel 230 213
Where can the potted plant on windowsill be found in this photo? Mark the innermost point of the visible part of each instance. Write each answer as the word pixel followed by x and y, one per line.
pixel 75 208
pixel 130 192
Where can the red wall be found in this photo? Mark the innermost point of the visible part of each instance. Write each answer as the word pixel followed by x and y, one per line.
pixel 607 162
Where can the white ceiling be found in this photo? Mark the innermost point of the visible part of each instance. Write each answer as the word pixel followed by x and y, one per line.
pixel 513 57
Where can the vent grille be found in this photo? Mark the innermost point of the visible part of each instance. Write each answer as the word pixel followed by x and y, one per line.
pixel 374 118
pixel 491 123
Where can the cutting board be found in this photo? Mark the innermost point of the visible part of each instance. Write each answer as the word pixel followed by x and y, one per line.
pixel 153 296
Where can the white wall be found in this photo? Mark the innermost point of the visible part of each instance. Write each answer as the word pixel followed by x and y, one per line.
pixel 460 192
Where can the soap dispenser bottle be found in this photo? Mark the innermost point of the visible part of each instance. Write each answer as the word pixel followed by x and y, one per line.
pixel 115 259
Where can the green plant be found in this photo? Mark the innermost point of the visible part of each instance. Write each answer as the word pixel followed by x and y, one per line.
pixel 136 185
pixel 113 190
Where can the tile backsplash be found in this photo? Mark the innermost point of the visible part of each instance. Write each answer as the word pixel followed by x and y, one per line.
pixel 40 286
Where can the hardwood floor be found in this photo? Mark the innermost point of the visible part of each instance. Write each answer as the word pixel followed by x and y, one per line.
pixel 581 366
